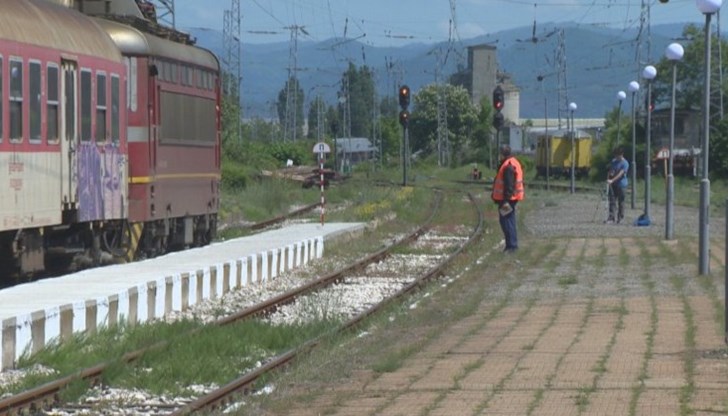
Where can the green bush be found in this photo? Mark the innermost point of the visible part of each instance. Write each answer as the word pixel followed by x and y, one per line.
pixel 234 176
pixel 299 152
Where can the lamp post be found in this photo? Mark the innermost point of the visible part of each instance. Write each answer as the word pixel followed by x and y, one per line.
pixel 649 73
pixel 621 95
pixel 572 108
pixel 708 8
pixel 633 87
pixel 673 53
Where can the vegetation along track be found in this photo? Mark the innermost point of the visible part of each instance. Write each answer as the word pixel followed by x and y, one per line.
pixel 364 286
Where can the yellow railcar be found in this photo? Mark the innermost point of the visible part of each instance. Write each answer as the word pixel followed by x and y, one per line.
pixel 557 150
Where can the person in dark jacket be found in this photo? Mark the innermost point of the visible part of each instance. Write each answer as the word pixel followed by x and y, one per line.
pixel 617 182
pixel 508 189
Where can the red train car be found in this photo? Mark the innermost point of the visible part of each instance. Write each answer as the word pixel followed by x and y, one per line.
pixel 109 136
pixel 63 148
pixel 174 139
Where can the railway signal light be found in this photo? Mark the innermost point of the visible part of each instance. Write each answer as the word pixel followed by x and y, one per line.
pixel 404 117
pixel 498 99
pixel 404 97
pixel 498 120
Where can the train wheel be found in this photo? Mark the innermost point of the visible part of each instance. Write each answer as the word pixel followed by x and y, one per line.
pixel 122 242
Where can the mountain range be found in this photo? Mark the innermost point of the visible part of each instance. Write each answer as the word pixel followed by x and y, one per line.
pixel 585 64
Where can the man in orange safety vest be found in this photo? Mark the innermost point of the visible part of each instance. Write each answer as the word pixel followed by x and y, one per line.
pixel 508 189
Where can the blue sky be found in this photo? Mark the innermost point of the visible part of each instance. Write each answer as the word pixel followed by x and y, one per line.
pixel 397 22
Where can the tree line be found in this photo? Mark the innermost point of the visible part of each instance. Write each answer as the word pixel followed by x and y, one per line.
pixel 359 111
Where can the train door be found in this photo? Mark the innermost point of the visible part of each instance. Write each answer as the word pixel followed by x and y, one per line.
pixel 69 129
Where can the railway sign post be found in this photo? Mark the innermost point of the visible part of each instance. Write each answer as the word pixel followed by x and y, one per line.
pixel 321 149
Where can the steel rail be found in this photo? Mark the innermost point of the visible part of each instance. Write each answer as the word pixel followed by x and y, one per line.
pixel 46 395
pixel 226 394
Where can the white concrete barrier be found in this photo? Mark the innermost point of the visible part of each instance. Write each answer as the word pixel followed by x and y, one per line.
pixel 146 301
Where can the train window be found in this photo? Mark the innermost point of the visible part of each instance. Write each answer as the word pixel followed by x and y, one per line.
pixel 86 131
pixel 115 92
pixel 34 82
pixel 188 74
pixel 167 70
pixel 16 100
pixel 52 104
pixel 100 107
pixel 174 71
pixel 70 111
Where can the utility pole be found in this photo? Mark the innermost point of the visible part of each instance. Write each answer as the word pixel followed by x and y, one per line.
pixel 376 128
pixel 345 108
pixel 443 134
pixel 165 12
pixel 290 122
pixel 456 37
pixel 563 90
pixel 231 60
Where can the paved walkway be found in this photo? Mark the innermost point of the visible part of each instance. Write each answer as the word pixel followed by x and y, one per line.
pixel 574 325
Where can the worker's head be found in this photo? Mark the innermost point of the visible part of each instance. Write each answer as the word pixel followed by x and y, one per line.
pixel 505 151
pixel 618 152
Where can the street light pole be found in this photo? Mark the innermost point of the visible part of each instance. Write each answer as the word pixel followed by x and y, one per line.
pixel 649 73
pixel 708 8
pixel 674 53
pixel 572 108
pixel 621 95
pixel 633 87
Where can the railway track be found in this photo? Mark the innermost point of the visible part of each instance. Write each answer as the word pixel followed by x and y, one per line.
pixel 47 396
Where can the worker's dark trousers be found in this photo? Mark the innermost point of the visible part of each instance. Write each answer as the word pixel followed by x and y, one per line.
pixel 508 225
pixel 616 202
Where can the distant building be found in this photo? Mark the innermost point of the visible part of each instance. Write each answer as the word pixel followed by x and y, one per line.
pixel 482 76
pixel 353 150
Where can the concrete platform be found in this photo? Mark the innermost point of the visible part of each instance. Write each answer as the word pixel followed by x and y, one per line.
pixel 36 313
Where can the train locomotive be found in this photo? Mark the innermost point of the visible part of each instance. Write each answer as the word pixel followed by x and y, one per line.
pixel 109 136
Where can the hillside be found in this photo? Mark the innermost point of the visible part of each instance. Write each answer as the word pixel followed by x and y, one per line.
pixel 599 62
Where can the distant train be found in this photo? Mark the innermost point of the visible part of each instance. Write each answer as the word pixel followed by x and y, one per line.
pixel 109 136
pixel 557 152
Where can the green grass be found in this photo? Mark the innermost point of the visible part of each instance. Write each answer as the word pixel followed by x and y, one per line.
pixel 568 280
pixel 213 355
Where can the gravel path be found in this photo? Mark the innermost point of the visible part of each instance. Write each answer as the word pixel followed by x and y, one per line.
pixel 582 215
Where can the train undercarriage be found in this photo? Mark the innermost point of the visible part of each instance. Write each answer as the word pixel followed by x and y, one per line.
pixel 28 253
